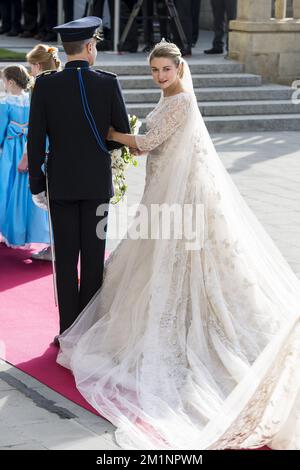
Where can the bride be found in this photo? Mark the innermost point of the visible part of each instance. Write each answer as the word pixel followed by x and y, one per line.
pixel 191 346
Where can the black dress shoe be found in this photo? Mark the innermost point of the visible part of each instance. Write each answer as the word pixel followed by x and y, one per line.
pixel 213 50
pixel 55 341
pixel 50 37
pixel 4 31
pixel 148 47
pixel 130 47
pixel 187 52
pixel 40 35
pixel 13 33
pixel 27 34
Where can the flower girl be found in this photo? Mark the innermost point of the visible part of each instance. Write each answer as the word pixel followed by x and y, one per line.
pixel 21 222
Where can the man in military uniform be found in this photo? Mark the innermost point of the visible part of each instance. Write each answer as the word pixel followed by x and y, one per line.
pixel 74 108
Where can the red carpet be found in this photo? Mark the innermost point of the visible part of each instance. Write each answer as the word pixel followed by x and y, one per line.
pixel 29 321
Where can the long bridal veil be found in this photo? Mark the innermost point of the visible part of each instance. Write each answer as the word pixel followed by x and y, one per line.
pixel 193 348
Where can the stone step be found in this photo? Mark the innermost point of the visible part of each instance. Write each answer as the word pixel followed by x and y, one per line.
pixel 200 67
pixel 238 108
pixel 199 80
pixel 229 108
pixel 263 92
pixel 254 123
pixel 212 65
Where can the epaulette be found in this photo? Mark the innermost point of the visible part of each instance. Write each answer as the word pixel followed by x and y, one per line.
pixel 45 73
pixel 106 73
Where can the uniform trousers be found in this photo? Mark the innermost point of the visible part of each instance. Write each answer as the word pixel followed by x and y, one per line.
pixel 74 228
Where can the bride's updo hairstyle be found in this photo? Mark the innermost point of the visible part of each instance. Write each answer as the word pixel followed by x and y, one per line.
pixel 168 50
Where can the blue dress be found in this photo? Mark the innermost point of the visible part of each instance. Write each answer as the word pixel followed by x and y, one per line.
pixel 21 222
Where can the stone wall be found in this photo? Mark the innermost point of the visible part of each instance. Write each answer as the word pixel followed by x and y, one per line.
pixel 266 46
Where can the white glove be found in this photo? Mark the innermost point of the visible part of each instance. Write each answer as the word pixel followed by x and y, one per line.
pixel 40 200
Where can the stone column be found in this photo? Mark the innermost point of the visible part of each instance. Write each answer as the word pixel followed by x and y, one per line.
pixel 254 10
pixel 267 46
pixel 296 9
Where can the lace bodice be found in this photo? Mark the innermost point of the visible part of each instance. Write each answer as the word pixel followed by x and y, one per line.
pixel 169 114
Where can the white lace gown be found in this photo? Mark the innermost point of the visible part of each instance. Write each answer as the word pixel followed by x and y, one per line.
pixel 192 348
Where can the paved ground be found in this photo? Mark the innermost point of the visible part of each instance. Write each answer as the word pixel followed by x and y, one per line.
pixel 266 169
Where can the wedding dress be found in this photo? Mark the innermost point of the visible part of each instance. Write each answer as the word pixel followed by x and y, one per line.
pixel 192 348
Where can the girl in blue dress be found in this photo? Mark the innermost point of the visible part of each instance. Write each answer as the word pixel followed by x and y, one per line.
pixel 21 222
pixel 41 59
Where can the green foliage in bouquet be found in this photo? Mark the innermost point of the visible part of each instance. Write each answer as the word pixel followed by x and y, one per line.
pixel 120 160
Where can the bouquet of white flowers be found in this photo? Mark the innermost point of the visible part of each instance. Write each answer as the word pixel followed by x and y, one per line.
pixel 120 160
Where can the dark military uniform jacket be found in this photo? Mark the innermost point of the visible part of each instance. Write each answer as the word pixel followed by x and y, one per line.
pixel 78 168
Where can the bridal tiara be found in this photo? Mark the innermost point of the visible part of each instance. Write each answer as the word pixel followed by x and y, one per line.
pixel 165 41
